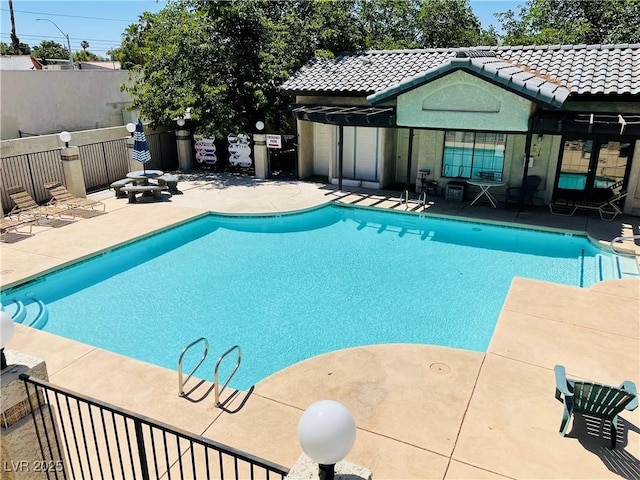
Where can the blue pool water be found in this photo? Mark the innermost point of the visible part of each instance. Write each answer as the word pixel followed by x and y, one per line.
pixel 291 287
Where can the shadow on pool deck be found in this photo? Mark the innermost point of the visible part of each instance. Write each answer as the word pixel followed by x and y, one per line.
pixel 422 411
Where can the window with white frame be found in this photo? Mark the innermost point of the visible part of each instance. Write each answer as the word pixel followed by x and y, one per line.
pixel 473 155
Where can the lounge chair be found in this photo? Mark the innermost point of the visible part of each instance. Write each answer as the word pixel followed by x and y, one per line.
pixel 531 184
pixel 63 197
pixel 594 399
pixel 608 209
pixel 7 224
pixel 26 207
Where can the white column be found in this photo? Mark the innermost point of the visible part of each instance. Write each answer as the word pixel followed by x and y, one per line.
pixel 73 174
pixel 185 151
pixel 260 153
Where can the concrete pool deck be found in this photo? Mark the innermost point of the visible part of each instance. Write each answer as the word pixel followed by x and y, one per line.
pixel 422 411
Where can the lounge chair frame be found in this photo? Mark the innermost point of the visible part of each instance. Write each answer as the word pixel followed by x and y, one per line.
pixel 26 207
pixel 9 223
pixel 608 209
pixel 63 197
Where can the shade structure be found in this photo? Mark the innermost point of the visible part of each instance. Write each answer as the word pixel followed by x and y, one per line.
pixel 141 151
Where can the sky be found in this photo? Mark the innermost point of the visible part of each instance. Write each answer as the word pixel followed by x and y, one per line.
pixel 101 23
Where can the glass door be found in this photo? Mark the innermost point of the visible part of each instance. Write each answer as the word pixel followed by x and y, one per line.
pixel 589 166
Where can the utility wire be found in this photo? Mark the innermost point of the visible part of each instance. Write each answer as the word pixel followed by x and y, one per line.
pixel 69 16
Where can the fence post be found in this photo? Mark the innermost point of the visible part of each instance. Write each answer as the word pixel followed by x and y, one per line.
pixel 260 156
pixel 72 169
pixel 185 152
pixel 142 452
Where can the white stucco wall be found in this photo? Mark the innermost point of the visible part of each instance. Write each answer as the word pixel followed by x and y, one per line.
pixel 42 102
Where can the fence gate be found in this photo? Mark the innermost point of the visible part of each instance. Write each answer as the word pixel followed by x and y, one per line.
pixel 283 162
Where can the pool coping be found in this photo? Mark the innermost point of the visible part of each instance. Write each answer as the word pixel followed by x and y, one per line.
pixel 540 324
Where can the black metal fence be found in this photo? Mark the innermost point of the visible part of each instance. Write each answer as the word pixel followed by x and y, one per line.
pixel 102 163
pixel 80 437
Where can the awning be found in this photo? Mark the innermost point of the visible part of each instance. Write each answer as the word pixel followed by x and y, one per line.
pixel 587 123
pixel 347 115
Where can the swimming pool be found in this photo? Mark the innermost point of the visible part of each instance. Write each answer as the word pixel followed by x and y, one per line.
pixel 290 287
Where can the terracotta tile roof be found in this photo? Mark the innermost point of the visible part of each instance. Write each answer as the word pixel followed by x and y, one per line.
pixel 581 69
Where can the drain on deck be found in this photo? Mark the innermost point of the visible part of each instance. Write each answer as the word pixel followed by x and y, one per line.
pixel 439 368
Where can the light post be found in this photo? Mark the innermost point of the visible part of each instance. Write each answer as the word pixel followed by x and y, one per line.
pixel 326 432
pixel 65 137
pixel 65 36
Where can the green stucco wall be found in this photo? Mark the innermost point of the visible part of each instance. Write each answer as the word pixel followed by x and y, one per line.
pixel 460 101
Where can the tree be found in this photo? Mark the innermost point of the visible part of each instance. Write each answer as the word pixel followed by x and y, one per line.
pixel 573 22
pixel 6 49
pixel 451 23
pixel 15 41
pixel 130 52
pixel 84 44
pixel 87 56
pixel 50 49
pixel 226 59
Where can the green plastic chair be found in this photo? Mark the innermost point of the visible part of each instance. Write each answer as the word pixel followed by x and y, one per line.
pixel 594 399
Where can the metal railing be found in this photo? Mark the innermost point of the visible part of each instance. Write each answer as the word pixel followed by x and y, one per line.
pixel 205 351
pixel 624 252
pixel 216 374
pixel 81 437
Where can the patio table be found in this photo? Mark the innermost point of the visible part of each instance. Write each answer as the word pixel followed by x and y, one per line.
pixel 485 185
pixel 142 176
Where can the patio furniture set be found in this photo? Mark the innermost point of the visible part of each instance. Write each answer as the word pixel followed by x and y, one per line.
pixel 139 182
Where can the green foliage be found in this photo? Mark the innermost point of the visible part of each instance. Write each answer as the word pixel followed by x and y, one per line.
pixel 573 22
pixel 7 49
pixel 87 56
pixel 50 49
pixel 227 58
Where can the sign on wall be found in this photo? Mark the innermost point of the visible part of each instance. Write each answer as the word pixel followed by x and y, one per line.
pixel 239 149
pixel 206 151
pixel 274 141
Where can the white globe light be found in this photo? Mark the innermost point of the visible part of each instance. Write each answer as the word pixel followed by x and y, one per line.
pixel 131 127
pixel 180 122
pixel 259 125
pixel 327 432
pixel 65 136
pixel 7 328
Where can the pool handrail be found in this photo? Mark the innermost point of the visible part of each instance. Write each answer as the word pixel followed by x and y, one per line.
pixel 216 379
pixel 205 352
pixel 621 239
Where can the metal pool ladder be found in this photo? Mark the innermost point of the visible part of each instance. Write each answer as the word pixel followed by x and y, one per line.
pixel 205 351
pixel 624 252
pixel 216 380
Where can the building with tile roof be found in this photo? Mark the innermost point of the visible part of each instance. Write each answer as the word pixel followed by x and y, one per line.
pixel 385 118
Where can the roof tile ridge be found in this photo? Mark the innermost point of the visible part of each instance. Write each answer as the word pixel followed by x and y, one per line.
pixel 545 76
pixel 400 50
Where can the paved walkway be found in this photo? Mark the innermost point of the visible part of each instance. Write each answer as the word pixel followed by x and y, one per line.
pixel 422 411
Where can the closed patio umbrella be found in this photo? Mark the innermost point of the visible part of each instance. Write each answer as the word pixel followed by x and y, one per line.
pixel 141 151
